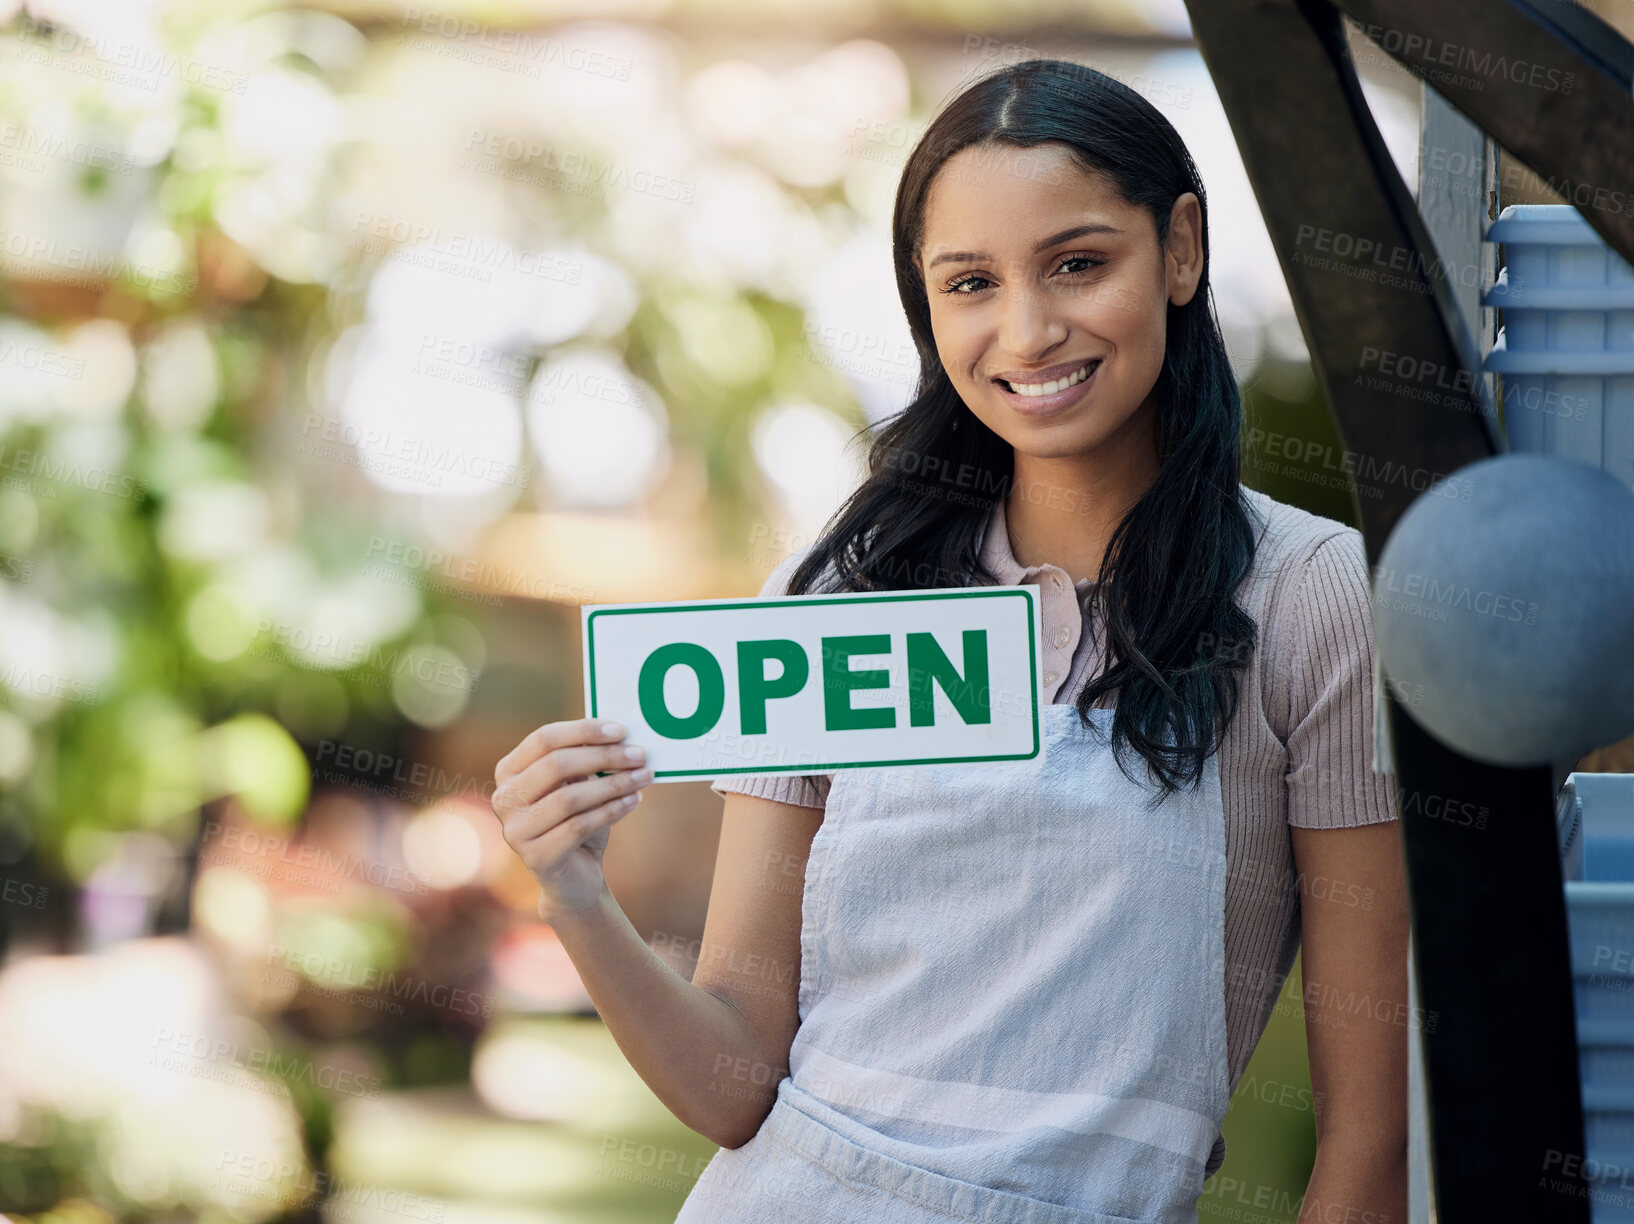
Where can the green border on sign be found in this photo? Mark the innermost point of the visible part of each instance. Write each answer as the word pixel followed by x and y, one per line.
pixel 805 602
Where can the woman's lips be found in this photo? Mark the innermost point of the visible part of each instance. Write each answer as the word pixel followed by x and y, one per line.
pixel 1035 405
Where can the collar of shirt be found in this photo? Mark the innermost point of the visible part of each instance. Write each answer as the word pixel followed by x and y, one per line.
pixel 1063 600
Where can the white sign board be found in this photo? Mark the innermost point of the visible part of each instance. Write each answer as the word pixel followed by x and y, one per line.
pixel 815 683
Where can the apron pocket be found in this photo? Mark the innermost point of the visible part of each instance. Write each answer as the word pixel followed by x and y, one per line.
pixel 913 1188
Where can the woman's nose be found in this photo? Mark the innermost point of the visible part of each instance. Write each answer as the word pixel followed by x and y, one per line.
pixel 1031 324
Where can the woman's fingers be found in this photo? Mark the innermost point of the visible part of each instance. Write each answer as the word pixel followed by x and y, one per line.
pixel 568 835
pixel 565 802
pixel 543 740
pixel 560 767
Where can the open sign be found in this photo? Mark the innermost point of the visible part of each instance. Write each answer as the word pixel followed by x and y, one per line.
pixel 815 683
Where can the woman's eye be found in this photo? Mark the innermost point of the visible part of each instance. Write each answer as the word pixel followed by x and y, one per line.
pixel 1073 265
pixel 1088 261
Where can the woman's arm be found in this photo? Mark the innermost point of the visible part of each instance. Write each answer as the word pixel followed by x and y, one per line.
pixel 1353 901
pixel 713 1049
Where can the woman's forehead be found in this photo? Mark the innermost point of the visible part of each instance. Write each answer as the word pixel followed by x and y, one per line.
pixel 971 212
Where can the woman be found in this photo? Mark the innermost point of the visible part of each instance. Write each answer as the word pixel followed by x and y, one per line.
pixel 1026 991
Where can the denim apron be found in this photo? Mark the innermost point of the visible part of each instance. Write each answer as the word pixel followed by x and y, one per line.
pixel 1011 1000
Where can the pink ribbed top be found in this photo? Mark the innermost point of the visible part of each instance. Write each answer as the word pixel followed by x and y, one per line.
pixel 1298 751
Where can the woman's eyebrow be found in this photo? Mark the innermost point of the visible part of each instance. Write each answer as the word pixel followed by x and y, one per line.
pixel 1077 231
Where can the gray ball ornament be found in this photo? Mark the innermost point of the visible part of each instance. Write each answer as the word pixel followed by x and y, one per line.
pixel 1503 610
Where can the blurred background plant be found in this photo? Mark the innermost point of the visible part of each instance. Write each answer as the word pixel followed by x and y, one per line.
pixel 345 350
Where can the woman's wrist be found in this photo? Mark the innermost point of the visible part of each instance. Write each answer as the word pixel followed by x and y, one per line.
pixel 561 918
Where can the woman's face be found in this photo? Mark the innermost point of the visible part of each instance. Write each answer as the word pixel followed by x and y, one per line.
pixel 1049 296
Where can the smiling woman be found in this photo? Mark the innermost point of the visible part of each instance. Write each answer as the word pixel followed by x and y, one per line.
pixel 1076 424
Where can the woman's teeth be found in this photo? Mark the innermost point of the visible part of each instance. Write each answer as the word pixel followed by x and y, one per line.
pixel 1060 384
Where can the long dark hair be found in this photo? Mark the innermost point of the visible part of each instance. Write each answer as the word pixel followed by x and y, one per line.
pixel 1175 637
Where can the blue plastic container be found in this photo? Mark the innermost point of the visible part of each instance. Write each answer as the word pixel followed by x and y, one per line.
pixel 1594 817
pixel 1565 354
pixel 1596 810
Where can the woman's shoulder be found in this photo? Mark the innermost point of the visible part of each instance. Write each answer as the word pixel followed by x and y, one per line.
pixel 1289 537
pixel 777 582
pixel 1312 603
pixel 1308 589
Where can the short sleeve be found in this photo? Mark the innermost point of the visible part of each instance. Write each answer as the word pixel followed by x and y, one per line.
pixel 1331 782
pixel 803 790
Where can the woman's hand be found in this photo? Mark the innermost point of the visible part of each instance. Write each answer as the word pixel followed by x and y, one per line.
pixel 557 815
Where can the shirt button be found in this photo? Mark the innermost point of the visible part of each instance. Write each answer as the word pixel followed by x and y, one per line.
pixel 1049 677
pixel 1062 636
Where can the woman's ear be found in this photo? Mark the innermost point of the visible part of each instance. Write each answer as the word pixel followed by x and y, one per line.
pixel 1183 250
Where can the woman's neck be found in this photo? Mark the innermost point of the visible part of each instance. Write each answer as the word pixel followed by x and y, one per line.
pixel 1063 510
